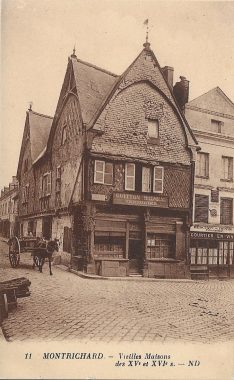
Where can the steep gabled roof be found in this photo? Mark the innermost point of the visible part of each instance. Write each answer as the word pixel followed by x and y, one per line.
pixel 157 79
pixel 38 127
pixel 92 84
pixel 39 132
pixel 214 100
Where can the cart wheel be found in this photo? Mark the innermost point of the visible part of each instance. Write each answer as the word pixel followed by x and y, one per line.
pixel 14 251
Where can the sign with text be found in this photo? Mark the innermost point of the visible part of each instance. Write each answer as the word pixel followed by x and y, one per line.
pixel 98 197
pixel 212 228
pixel 211 236
pixel 140 200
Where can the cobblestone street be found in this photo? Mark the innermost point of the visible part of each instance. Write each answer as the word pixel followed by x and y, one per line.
pixel 67 307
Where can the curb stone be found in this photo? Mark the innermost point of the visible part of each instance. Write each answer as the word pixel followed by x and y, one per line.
pixel 141 279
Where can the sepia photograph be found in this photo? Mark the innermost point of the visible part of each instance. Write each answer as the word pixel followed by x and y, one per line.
pixel 117 192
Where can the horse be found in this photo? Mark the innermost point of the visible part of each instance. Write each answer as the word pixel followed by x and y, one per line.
pixel 44 250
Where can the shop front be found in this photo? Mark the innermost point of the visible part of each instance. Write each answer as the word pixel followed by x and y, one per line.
pixel 211 252
pixel 131 239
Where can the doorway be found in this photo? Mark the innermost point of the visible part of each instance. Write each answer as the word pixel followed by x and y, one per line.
pixel 47 227
pixel 135 257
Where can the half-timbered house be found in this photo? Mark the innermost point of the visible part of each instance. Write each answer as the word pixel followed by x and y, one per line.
pixel 114 178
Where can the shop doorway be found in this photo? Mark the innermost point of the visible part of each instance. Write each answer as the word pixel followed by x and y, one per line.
pixel 135 255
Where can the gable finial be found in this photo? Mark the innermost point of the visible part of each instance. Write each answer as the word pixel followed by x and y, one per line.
pixel 74 52
pixel 146 44
pixel 30 105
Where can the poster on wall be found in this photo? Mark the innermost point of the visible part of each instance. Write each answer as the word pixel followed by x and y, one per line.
pixel 117 195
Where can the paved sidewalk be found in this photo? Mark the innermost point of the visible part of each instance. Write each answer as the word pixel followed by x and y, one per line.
pixel 67 307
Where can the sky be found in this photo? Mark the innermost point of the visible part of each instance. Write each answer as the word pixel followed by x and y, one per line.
pixel 37 36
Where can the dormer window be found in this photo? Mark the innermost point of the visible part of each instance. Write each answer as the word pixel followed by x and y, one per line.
pixel 64 134
pixel 153 129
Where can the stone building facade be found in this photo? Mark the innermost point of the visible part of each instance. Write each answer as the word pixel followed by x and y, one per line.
pixel 138 166
pixel 211 116
pixel 9 209
pixel 113 178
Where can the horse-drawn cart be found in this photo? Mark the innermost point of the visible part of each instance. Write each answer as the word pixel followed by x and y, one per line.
pixel 40 250
pixel 18 246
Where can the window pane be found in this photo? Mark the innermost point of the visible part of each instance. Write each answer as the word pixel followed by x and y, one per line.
pixel 202 165
pixel 226 211
pixel 109 168
pixel 201 208
pixel 158 173
pixel 130 169
pixel 158 179
pixel 130 177
pixel 146 179
pixel 227 164
pixel 158 186
pixel 153 127
pixel 99 177
pixel 130 183
pixel 99 166
pixel 108 179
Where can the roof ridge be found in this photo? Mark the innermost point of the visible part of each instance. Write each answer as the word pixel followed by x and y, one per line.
pixel 97 67
pixel 40 114
pixel 218 89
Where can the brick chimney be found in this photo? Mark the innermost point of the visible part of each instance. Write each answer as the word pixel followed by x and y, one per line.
pixel 181 92
pixel 168 73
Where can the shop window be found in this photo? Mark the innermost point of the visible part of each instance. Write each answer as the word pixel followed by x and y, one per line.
pixel 160 246
pixel 202 165
pixel 211 252
pixel 226 211
pixel 103 172
pixel 129 176
pixel 227 168
pixel 109 244
pixel 158 179
pixel 201 208
pixel 146 180
pixel 153 128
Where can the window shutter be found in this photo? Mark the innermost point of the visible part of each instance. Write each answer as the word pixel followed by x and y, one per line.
pixel 158 179
pixel 41 187
pixel 226 211
pixel 108 175
pixel 201 208
pixel 99 168
pixel 129 176
pixel 146 179
pixel 49 183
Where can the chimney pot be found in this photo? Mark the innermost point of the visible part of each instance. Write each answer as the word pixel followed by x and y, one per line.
pixel 168 73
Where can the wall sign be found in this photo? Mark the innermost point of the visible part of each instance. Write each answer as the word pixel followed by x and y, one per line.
pixel 211 236
pixel 98 197
pixel 212 228
pixel 140 200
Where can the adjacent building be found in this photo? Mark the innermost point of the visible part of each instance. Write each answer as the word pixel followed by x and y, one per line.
pixel 211 117
pixel 9 209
